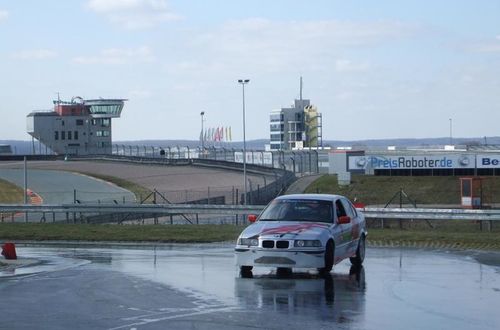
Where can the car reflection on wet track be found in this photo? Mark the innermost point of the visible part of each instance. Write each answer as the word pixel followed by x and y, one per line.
pixel 333 296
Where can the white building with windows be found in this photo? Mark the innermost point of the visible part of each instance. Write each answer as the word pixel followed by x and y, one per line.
pixel 297 127
pixel 78 127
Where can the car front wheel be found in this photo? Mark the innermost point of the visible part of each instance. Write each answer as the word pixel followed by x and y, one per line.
pixel 329 255
pixel 245 269
pixel 359 257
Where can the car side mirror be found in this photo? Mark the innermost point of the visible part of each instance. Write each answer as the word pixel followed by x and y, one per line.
pixel 344 219
pixel 252 218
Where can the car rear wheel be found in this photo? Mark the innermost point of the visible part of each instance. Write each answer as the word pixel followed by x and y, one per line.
pixel 329 255
pixel 359 257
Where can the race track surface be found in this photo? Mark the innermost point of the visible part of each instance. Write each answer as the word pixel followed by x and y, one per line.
pixel 198 287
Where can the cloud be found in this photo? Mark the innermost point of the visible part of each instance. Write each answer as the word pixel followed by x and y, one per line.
pixel 117 56
pixel 4 15
pixel 134 14
pixel 274 46
pixel 140 94
pixel 488 46
pixel 343 65
pixel 34 54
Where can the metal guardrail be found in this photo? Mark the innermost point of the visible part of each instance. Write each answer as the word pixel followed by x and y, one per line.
pixel 173 209
pixel 158 209
pixel 431 214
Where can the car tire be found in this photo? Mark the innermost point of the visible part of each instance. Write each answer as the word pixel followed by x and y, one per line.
pixel 329 257
pixel 283 271
pixel 359 257
pixel 246 269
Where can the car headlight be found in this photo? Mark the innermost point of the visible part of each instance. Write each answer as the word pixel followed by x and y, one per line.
pixel 248 241
pixel 307 243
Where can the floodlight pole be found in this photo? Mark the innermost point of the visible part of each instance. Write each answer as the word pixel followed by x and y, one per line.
pixel 201 135
pixel 243 82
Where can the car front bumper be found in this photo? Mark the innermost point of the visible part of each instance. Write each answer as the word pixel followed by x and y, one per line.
pixel 257 256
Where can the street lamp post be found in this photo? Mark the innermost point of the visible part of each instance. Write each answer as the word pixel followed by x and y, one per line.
pixel 202 137
pixel 243 82
pixel 451 135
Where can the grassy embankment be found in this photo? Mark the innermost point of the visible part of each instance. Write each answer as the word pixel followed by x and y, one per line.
pixel 140 192
pixel 117 233
pixel 370 190
pixel 379 190
pixel 9 193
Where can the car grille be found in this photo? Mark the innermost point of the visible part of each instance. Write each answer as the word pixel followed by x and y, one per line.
pixel 268 244
pixel 282 244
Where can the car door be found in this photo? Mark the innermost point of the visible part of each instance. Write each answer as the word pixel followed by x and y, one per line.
pixel 343 233
pixel 354 229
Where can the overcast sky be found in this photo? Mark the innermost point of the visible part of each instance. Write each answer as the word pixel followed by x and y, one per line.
pixel 375 69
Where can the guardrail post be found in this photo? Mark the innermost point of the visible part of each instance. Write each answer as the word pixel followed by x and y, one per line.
pixel 154 202
pixel 74 202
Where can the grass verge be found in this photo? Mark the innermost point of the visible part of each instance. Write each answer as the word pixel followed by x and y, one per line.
pixel 117 233
pixel 10 193
pixel 371 189
pixel 139 191
pixel 413 237
pixel 434 239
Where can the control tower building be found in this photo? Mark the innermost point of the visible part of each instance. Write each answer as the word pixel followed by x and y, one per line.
pixel 79 127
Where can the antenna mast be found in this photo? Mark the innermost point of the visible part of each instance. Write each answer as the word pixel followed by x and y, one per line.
pixel 301 88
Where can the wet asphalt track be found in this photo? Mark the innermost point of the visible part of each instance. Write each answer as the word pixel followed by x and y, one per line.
pixel 58 187
pixel 198 287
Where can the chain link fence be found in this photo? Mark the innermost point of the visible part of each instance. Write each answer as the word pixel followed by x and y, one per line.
pixel 298 161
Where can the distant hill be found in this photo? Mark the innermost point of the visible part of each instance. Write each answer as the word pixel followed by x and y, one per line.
pixel 26 147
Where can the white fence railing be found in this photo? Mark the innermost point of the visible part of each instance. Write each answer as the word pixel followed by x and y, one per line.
pixel 169 209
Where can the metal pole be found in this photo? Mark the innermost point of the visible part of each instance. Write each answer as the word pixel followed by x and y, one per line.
pixel 451 135
pixel 243 82
pixel 202 136
pixel 25 188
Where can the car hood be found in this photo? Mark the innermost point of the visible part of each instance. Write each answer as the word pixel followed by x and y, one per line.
pixel 284 228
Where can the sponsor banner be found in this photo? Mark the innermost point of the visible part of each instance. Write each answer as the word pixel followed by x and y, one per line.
pixel 254 157
pixel 488 161
pixel 435 161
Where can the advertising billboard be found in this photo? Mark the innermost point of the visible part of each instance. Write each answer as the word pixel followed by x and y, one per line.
pixel 399 162
pixel 488 161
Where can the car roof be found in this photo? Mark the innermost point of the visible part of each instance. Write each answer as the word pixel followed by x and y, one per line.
pixel 324 197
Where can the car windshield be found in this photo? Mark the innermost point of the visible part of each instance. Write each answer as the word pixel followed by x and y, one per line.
pixel 298 210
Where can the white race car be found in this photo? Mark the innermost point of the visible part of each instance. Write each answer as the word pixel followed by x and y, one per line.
pixel 303 231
